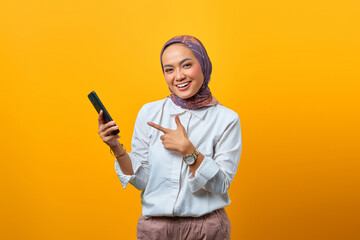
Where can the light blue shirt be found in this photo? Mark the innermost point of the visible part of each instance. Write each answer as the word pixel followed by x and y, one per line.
pixel 168 186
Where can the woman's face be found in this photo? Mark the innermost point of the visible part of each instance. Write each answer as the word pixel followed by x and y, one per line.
pixel 182 70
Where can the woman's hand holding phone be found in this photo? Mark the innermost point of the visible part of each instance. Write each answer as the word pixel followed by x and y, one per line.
pixel 105 130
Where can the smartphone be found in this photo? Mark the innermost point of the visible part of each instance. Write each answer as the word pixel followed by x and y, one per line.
pixel 95 100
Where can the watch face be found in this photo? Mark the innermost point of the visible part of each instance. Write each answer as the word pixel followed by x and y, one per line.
pixel 189 160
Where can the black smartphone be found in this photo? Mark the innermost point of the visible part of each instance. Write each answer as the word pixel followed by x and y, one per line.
pixel 95 100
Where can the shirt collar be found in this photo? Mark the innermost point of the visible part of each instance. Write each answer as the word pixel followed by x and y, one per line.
pixel 175 109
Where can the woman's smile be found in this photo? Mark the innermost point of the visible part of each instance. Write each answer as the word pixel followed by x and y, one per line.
pixel 183 86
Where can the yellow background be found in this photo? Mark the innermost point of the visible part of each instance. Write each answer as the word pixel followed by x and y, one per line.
pixel 290 69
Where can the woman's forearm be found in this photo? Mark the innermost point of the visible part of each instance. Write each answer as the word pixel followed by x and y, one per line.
pixel 124 161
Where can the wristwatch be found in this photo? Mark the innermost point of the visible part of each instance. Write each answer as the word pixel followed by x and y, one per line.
pixel 190 159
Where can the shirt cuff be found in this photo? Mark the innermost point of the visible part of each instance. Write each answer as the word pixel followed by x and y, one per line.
pixel 125 179
pixel 206 171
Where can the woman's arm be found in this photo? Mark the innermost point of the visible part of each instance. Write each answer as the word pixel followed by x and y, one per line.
pixel 130 167
pixel 123 159
pixel 215 174
pixel 133 167
pixel 105 130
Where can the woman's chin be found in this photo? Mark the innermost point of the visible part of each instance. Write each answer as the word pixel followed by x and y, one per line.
pixel 185 96
pixel 188 93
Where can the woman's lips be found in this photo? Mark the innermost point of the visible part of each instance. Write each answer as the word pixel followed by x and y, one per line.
pixel 184 88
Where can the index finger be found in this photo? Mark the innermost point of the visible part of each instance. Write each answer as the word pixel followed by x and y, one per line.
pixel 158 127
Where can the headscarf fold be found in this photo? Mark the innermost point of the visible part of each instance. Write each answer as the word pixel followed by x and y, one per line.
pixel 203 97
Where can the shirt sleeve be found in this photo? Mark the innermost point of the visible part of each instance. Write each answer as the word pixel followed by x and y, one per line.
pixel 215 174
pixel 138 155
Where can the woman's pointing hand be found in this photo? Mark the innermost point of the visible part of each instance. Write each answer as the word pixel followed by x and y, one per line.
pixel 175 139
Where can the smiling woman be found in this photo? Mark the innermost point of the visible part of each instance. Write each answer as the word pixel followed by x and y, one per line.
pixel 184 166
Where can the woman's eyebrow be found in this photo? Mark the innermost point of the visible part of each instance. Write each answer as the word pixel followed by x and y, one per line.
pixel 168 65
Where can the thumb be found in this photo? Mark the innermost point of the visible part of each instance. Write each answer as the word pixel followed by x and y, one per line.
pixel 101 118
pixel 178 123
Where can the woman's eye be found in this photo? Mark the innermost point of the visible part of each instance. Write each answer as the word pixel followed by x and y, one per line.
pixel 187 64
pixel 168 70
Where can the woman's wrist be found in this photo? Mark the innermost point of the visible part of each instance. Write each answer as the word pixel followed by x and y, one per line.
pixel 188 149
pixel 118 151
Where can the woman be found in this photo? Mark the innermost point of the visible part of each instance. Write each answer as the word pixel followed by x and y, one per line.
pixel 185 151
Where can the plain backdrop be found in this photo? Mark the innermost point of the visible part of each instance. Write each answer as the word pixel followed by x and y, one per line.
pixel 290 69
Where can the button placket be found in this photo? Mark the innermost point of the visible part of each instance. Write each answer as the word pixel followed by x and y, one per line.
pixel 188 122
pixel 178 165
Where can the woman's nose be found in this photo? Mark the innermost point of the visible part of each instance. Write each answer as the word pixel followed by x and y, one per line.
pixel 179 76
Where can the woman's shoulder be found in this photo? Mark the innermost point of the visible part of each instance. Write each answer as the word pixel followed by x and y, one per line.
pixel 225 113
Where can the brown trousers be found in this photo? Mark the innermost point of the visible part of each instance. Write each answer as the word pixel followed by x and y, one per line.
pixel 212 226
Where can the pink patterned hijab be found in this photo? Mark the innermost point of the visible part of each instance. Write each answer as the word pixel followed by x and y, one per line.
pixel 203 97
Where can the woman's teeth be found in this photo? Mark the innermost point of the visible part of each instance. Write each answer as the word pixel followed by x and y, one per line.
pixel 183 85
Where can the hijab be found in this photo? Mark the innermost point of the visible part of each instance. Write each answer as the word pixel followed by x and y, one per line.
pixel 203 97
